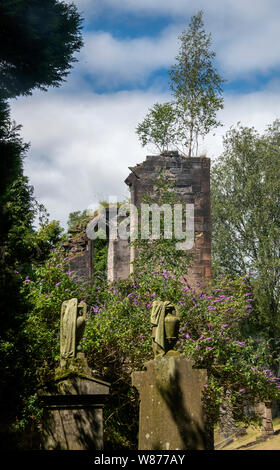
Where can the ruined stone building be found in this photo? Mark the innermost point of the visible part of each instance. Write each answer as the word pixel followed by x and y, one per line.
pixel 191 177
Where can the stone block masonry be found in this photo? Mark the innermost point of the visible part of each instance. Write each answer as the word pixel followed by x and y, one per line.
pixel 191 178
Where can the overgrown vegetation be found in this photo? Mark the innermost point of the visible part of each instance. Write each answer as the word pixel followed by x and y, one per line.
pixel 215 331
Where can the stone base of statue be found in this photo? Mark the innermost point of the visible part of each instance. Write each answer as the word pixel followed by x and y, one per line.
pixel 73 409
pixel 171 414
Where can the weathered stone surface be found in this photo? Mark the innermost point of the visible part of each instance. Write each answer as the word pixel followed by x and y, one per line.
pixel 118 265
pixel 81 252
pixel 73 417
pixel 192 184
pixel 171 415
pixel 72 324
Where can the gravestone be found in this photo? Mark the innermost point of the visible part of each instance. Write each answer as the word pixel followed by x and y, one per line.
pixel 171 415
pixel 73 401
pixel 171 411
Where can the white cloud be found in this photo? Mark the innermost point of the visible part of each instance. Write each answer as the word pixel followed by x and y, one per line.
pixel 245 36
pixel 82 145
pixel 113 61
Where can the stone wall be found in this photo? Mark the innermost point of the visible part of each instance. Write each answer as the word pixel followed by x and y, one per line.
pixel 81 252
pixel 191 178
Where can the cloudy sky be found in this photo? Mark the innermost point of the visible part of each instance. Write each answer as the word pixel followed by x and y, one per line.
pixel 83 134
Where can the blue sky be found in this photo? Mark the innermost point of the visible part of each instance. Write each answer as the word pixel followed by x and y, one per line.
pixel 83 134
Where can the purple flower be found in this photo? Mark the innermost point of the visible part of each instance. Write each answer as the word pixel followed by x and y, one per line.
pixel 209 339
pixel 242 390
pixel 248 293
pixel 224 326
pixel 241 343
pixel 66 290
pixel 153 295
pixel 57 284
pixel 26 279
pixel 211 307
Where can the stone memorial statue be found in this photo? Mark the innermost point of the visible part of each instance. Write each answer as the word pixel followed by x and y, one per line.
pixel 165 327
pixel 72 326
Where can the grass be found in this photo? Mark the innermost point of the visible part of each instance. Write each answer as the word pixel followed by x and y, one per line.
pixel 250 440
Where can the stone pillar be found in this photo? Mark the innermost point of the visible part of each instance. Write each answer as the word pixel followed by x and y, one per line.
pixel 73 414
pixel 191 178
pixel 118 265
pixel 171 415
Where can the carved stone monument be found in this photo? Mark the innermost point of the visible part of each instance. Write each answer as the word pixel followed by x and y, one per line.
pixel 72 326
pixel 171 415
pixel 73 405
pixel 165 328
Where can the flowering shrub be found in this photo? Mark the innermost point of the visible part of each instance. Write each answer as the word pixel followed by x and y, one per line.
pixel 212 334
pixel 117 338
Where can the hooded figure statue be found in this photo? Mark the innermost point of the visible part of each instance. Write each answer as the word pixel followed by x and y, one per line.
pixel 165 326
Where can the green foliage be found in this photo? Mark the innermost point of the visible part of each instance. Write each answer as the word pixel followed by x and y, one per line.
pixel 38 43
pixel 78 218
pixel 20 245
pixel 152 253
pixel 246 218
pixel 214 336
pixel 158 127
pixel 196 84
pixel 117 340
pixel 196 87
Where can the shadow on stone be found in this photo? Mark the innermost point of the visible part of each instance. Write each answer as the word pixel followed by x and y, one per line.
pixel 192 433
pixel 172 416
pixel 73 414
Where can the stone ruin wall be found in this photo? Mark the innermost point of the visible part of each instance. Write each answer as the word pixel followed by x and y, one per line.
pixel 81 252
pixel 192 184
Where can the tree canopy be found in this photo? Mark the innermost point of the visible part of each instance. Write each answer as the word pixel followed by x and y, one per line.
pixel 246 217
pixel 196 88
pixel 38 42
